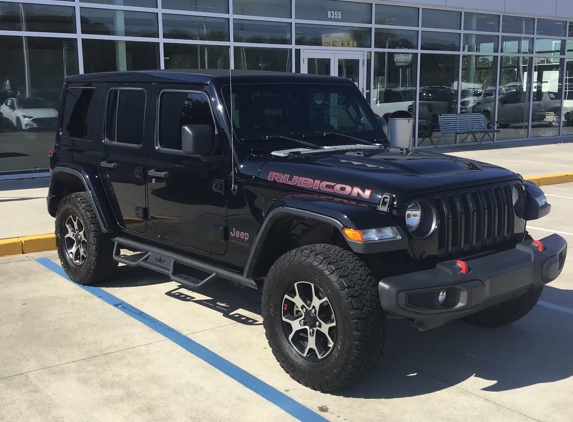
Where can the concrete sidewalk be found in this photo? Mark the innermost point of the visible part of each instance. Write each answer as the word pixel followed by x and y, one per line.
pixel 24 218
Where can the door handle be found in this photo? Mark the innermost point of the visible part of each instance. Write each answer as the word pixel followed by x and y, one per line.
pixel 109 165
pixel 157 173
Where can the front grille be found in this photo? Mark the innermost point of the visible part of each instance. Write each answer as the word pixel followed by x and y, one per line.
pixel 474 219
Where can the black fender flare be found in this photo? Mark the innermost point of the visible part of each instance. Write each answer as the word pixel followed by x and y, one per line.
pixel 338 215
pixel 92 186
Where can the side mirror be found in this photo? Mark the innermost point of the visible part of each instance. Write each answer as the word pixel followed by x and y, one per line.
pixel 197 139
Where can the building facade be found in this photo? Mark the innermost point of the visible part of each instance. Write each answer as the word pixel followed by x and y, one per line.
pixel 511 60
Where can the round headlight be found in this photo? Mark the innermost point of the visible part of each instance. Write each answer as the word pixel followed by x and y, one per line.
pixel 413 216
pixel 514 195
pixel 518 198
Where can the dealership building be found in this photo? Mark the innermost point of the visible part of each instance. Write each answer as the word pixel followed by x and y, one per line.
pixel 511 60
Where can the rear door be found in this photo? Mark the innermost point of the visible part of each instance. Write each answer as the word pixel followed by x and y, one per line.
pixel 122 164
pixel 186 193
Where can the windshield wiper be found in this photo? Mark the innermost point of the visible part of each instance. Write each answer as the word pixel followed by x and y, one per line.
pixel 325 134
pixel 298 141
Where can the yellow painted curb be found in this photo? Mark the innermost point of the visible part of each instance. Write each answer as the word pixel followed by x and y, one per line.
pixel 10 247
pixel 28 244
pixel 31 244
pixel 551 179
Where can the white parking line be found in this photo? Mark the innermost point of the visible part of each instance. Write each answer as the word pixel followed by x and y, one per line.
pixel 559 196
pixel 555 307
pixel 549 230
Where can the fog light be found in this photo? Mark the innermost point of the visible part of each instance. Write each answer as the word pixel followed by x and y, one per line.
pixel 442 296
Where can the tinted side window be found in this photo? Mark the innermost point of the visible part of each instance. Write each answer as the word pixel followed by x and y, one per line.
pixel 180 108
pixel 125 116
pixel 81 109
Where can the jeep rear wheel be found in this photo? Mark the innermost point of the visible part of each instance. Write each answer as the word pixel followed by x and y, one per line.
pixel 85 251
pixel 507 312
pixel 322 316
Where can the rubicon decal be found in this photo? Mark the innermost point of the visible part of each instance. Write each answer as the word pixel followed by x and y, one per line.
pixel 322 185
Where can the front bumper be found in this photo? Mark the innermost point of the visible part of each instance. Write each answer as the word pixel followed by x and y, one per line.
pixel 489 280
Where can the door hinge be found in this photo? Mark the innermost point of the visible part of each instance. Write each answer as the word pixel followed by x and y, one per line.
pixel 222 232
pixel 142 213
pixel 138 172
pixel 219 186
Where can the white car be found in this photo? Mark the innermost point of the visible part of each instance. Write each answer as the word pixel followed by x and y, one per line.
pixel 29 113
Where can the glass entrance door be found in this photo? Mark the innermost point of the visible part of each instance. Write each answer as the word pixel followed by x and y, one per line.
pixel 350 65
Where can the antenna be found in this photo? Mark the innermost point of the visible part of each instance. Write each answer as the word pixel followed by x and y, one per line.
pixel 231 116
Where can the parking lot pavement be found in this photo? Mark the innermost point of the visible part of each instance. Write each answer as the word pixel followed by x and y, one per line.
pixel 68 355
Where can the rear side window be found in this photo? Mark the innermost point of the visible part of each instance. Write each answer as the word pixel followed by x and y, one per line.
pixel 81 112
pixel 125 116
pixel 180 108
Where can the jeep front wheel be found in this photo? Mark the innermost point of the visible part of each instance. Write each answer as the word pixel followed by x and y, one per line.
pixel 507 312
pixel 322 316
pixel 85 251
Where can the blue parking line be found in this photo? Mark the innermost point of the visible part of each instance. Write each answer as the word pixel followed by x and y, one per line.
pixel 254 384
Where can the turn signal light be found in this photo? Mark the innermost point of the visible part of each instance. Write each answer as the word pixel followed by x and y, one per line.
pixel 354 235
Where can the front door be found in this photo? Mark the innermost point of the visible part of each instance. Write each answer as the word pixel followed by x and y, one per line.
pixel 344 64
pixel 186 193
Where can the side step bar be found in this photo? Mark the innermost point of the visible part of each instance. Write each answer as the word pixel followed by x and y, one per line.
pixel 173 264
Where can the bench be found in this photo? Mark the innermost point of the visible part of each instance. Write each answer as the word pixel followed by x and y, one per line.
pixel 465 124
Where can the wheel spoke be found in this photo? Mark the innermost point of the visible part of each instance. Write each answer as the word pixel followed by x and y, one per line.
pixel 311 345
pixel 297 299
pixel 324 328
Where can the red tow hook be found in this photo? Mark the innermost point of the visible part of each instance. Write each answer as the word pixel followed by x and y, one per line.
pixel 464 269
pixel 540 247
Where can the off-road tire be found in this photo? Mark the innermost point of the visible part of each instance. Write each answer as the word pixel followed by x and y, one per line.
pixel 507 312
pixel 360 321
pixel 19 126
pixel 99 263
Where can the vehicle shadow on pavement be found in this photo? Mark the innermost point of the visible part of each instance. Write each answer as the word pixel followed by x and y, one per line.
pixel 533 350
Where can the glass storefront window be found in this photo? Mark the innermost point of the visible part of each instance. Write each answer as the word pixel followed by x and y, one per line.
pixel 10 17
pixel 39 18
pixel 516 45
pixel 480 43
pixel 514 105
pixel 394 82
pixel 547 46
pixel 119 22
pixel 396 15
pixel 106 56
pixel 248 58
pixel 479 86
pixel 195 28
pixel 31 77
pixel 262 32
pixel 442 41
pixel 569 51
pixel 441 19
pixel 136 3
pixel 551 28
pixel 208 6
pixel 333 11
pixel 517 25
pixel 395 38
pixel 332 36
pixel 439 79
pixel 188 56
pixel 270 8
pixel 548 112
pixel 481 22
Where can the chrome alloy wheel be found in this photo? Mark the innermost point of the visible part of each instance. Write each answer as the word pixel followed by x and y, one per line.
pixel 75 240
pixel 308 320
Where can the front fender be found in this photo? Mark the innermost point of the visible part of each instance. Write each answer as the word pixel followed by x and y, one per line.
pixel 334 212
pixel 70 178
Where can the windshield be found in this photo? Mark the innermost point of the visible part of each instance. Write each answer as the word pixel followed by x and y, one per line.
pixel 270 113
pixel 33 103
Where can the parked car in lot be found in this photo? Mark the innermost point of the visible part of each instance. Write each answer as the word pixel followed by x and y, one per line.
pixel 29 113
pixel 286 183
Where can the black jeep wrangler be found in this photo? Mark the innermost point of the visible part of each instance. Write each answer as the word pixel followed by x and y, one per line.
pixel 286 183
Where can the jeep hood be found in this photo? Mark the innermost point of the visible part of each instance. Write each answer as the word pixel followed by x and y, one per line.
pixel 367 175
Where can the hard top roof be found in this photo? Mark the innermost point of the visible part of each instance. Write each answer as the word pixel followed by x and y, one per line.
pixel 202 76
